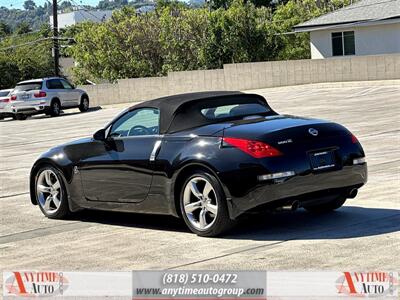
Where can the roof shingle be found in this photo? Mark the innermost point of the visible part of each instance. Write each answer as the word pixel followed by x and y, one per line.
pixel 364 10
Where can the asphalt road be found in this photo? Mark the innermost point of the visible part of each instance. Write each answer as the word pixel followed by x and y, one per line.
pixel 363 235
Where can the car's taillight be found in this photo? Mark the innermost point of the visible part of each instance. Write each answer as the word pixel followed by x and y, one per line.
pixel 5 100
pixel 13 97
pixel 354 140
pixel 40 94
pixel 254 148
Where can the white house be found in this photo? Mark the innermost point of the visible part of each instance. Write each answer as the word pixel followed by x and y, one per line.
pixel 365 28
pixel 78 16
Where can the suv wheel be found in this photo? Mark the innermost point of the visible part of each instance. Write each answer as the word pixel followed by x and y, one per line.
pixel 55 108
pixel 84 105
pixel 203 205
pixel 20 117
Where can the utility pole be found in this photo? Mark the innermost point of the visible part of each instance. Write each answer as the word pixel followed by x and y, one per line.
pixel 55 39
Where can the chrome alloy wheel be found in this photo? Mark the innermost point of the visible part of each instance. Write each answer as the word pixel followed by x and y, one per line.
pixel 201 208
pixel 48 191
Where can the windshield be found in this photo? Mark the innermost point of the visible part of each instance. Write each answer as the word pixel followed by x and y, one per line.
pixel 28 86
pixel 234 110
pixel 4 93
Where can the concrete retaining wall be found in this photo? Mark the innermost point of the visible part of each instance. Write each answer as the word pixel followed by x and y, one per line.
pixel 249 76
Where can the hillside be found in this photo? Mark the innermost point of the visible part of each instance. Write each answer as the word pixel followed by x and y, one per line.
pixel 35 16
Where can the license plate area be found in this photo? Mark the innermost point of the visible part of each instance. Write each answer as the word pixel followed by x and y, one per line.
pixel 323 160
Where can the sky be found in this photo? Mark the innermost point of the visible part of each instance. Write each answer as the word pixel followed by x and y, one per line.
pixel 20 3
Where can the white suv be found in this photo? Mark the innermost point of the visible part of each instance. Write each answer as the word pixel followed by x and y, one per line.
pixel 47 95
pixel 5 106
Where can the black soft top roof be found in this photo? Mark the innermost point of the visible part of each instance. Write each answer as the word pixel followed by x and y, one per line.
pixel 182 111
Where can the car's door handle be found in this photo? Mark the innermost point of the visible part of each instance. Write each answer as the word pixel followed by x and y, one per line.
pixel 154 152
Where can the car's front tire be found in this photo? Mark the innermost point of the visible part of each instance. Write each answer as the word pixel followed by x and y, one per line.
pixel 51 194
pixel 84 105
pixel 326 207
pixel 203 205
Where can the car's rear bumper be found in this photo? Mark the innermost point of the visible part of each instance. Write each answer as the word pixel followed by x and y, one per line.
pixel 6 112
pixel 300 186
pixel 31 107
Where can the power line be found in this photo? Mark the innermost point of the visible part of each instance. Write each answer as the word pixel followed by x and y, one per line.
pixel 25 44
pixel 35 42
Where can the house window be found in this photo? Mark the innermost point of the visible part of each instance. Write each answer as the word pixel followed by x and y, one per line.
pixel 343 43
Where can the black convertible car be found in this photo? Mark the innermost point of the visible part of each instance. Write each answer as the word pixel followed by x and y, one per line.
pixel 206 157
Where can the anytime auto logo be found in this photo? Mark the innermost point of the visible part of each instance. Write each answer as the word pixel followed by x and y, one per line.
pixel 36 284
pixel 367 284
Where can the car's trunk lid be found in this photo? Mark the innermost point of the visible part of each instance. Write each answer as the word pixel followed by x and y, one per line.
pixel 283 131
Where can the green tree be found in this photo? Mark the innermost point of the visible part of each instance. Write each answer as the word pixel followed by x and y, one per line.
pixel 65 6
pixel 238 34
pixel 4 29
pixel 183 32
pixel 29 5
pixel 125 46
pixel 20 60
pixel 10 73
pixel 23 28
pixel 173 38
pixel 173 5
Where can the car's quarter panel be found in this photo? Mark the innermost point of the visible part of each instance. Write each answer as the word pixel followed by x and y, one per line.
pixel 178 152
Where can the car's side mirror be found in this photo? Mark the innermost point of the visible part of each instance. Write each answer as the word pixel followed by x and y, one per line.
pixel 100 135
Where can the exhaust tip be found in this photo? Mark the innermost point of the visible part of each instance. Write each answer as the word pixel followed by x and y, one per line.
pixel 291 206
pixel 353 193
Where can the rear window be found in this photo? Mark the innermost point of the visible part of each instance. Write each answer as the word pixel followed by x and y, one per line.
pixel 234 110
pixel 21 87
pixel 4 93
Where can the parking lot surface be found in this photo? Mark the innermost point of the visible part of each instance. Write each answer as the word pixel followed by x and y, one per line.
pixel 363 235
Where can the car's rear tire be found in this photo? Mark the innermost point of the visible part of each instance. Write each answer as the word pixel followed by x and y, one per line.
pixel 205 212
pixel 20 117
pixel 84 105
pixel 55 108
pixel 51 194
pixel 326 207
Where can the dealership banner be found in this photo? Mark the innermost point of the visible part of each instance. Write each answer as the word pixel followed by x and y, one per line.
pixel 199 285
pixel 174 284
